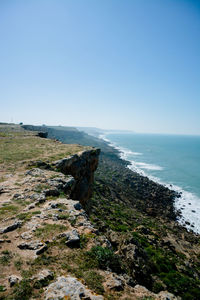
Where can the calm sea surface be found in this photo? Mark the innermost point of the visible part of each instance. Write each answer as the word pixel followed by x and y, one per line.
pixel 173 160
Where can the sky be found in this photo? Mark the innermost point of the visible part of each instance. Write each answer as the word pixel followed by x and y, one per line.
pixel 112 64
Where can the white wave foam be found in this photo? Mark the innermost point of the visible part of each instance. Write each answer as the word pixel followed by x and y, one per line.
pixel 148 166
pixel 123 151
pixel 188 203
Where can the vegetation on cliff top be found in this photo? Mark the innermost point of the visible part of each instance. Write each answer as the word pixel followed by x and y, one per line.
pixel 19 146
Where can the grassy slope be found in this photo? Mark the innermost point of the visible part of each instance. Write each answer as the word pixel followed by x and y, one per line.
pixel 18 147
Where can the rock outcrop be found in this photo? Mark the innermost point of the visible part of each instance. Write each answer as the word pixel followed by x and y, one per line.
pixel 69 288
pixel 82 167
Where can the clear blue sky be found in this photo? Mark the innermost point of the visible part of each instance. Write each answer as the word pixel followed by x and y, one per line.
pixel 115 64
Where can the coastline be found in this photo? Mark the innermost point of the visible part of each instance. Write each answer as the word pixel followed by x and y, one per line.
pixel 135 220
pixel 184 210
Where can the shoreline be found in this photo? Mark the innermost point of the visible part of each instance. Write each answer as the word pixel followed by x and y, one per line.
pixel 180 202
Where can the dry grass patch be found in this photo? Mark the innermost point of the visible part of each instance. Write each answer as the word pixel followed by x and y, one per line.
pixel 8 210
pixel 18 145
pixel 49 230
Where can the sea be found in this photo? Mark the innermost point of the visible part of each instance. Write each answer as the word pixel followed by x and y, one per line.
pixel 171 160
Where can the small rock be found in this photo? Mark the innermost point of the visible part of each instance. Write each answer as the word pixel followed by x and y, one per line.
pixel 11 227
pixel 41 250
pixel 42 278
pixel 114 282
pixel 33 224
pixel 34 245
pixel 51 192
pixel 15 196
pixel 4 241
pixel 53 205
pixel 31 206
pixel 35 172
pixel 38 198
pixel 73 239
pixel 13 279
pixel 78 206
pixel 164 295
pixel 26 235
pixel 73 204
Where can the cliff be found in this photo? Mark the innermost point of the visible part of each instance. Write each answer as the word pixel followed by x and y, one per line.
pixel 60 240
pixel 82 167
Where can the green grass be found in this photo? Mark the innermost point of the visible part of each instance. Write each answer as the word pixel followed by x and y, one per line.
pixel 2 288
pixel 18 264
pixel 24 216
pixel 5 258
pixel 43 260
pixel 105 258
pixel 18 145
pixel 63 216
pixel 41 187
pixel 2 179
pixel 49 230
pixel 27 215
pixel 94 281
pixel 23 290
pixel 7 210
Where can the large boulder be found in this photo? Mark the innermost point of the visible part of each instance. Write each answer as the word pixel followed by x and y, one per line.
pixel 69 288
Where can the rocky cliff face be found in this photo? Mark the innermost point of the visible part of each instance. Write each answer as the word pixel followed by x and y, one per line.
pixel 82 167
pixel 49 249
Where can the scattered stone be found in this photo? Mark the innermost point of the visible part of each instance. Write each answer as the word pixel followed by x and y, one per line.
pixel 11 227
pixel 33 224
pixel 15 196
pixel 55 217
pixel 114 282
pixel 164 295
pixel 78 206
pixel 43 278
pixel 3 190
pixel 26 235
pixel 31 206
pixel 4 241
pixel 38 198
pixel 41 250
pixel 35 172
pixel 34 245
pixel 69 288
pixel 13 279
pixel 51 192
pixel 72 238
pixel 141 292
pixel 53 205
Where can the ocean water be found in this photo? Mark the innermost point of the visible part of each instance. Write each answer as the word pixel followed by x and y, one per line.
pixel 172 160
